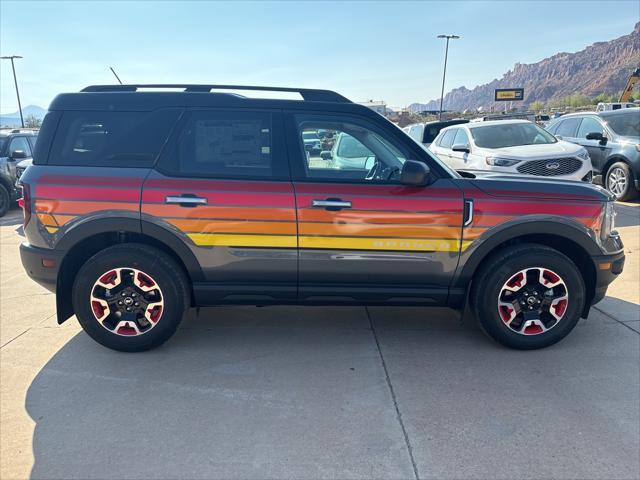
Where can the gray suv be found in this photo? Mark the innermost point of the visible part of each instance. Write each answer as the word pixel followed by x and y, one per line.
pixel 613 141
pixel 15 146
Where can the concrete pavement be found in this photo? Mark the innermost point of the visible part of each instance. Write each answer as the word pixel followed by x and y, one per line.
pixel 293 392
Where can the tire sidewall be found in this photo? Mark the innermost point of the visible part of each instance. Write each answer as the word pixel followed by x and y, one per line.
pixel 172 293
pixel 487 310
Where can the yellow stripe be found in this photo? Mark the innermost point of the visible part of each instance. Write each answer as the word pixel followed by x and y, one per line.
pixel 364 243
pixel 52 229
pixel 211 239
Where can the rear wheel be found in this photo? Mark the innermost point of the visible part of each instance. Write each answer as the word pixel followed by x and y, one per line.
pixel 619 181
pixel 130 297
pixel 529 296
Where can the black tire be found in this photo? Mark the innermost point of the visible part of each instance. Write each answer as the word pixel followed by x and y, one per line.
pixel 494 273
pixel 628 192
pixel 169 277
pixel 5 200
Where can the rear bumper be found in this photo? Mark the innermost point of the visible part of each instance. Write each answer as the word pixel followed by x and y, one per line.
pixel 608 267
pixel 41 264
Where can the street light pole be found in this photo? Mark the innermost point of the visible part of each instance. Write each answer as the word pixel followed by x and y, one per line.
pixel 444 73
pixel 12 57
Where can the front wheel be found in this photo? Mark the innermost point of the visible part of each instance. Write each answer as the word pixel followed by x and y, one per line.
pixel 528 297
pixel 619 181
pixel 130 297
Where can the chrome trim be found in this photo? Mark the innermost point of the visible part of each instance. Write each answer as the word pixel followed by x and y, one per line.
pixel 330 203
pixel 189 200
pixel 469 220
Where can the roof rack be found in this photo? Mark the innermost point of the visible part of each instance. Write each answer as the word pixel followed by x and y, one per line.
pixel 308 94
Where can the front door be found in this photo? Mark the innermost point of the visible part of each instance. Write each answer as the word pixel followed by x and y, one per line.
pixel 363 237
pixel 598 150
pixel 223 187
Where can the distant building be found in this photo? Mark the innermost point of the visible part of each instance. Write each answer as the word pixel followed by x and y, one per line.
pixel 379 106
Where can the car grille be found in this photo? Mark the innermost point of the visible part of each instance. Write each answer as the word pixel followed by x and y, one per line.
pixel 551 167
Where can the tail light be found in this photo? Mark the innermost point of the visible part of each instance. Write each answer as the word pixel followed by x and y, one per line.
pixel 25 203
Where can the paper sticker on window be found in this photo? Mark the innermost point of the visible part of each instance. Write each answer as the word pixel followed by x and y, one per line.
pixel 266 150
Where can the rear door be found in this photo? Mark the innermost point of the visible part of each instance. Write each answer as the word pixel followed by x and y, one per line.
pixel 364 237
pixel 223 187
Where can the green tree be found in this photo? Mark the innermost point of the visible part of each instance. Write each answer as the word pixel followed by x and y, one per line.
pixel 32 122
pixel 536 106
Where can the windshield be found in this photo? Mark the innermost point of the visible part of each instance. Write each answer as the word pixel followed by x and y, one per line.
pixel 310 136
pixel 625 124
pixel 349 147
pixel 510 135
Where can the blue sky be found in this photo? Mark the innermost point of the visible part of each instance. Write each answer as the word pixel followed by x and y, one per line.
pixel 365 50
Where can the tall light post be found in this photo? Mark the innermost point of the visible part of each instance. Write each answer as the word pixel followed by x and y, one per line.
pixel 12 57
pixel 444 73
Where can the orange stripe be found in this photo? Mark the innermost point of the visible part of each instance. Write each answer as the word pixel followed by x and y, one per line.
pixel 283 214
pixel 209 226
pixel 366 230
pixel 471 233
pixel 379 217
pixel 81 207
pixel 49 220
pixel 481 220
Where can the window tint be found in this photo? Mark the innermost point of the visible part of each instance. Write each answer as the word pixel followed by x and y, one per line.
pixel 510 135
pixel 226 145
pixel 625 123
pixel 461 138
pixel 447 139
pixel 431 132
pixel 589 125
pixel 111 139
pixel 349 152
pixel 568 127
pixel 20 143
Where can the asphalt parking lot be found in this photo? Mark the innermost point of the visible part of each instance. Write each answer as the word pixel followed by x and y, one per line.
pixel 291 392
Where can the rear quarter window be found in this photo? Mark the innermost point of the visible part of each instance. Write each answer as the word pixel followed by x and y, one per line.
pixel 111 139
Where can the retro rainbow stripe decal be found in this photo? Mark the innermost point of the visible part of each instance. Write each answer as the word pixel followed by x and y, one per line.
pixel 269 214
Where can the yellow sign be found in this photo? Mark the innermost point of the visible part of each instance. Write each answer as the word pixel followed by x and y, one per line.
pixel 506 94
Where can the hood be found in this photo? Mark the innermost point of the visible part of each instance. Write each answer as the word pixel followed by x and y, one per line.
pixel 538 151
pixel 541 188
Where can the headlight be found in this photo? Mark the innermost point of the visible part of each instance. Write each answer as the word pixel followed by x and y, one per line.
pixel 501 162
pixel 608 220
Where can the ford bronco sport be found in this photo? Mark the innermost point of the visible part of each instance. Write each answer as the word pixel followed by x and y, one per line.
pixel 142 203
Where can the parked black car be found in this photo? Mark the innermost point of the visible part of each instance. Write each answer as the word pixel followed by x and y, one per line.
pixel 612 139
pixel 15 145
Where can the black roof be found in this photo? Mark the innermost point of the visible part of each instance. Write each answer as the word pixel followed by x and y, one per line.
pixel 144 97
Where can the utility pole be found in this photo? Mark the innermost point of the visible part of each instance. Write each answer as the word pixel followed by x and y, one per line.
pixel 444 73
pixel 12 57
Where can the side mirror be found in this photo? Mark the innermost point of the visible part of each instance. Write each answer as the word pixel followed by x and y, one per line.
pixel 596 136
pixel 326 155
pixel 415 173
pixel 18 155
pixel 459 147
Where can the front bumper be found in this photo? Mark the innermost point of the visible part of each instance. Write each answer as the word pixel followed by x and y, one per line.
pixel 41 264
pixel 608 267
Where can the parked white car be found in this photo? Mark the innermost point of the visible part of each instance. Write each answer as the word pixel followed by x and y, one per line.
pixel 513 147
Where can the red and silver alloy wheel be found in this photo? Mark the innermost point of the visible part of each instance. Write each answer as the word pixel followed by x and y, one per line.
pixel 533 301
pixel 127 301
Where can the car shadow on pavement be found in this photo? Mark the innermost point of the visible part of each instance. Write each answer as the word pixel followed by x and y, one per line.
pixel 239 392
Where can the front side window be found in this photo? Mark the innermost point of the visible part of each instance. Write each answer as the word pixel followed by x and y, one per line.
pixel 447 138
pixel 568 127
pixel 349 152
pixel 21 144
pixel 111 139
pixel 589 125
pixel 225 145
pixel 510 135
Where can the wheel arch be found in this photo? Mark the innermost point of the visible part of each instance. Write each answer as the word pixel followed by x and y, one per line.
pixel 570 240
pixel 84 241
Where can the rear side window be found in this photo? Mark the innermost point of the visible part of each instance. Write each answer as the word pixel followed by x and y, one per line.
pixel 111 139
pixel 461 138
pixel 225 144
pixel 447 139
pixel 568 127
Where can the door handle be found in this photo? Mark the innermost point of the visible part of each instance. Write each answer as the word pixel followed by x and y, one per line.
pixel 331 204
pixel 186 200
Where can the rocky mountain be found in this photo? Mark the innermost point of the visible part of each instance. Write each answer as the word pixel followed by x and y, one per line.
pixel 603 67
pixel 13 119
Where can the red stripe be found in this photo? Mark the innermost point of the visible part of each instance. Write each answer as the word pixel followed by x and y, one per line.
pixel 226 198
pixel 225 185
pixel 85 193
pixel 389 203
pixel 530 208
pixel 399 191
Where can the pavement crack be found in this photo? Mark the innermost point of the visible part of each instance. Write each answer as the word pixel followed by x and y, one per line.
pixel 393 397
pixel 614 319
